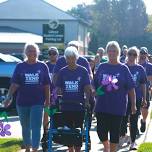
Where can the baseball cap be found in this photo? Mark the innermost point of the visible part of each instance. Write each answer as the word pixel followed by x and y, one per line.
pixel 124 47
pixel 53 50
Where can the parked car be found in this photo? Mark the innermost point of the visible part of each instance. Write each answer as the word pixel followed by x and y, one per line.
pixel 7 66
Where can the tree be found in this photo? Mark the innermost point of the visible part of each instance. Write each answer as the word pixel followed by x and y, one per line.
pixel 82 11
pixel 122 20
pixel 149 27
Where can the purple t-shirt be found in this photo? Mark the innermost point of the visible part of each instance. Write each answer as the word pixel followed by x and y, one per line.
pixel 139 77
pixel 31 79
pixel 51 67
pixel 72 83
pixel 62 63
pixel 53 92
pixel 114 81
pixel 148 68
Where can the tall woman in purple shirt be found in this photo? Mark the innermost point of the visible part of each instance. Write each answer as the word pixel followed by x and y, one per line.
pixel 73 81
pixel 113 83
pixel 31 81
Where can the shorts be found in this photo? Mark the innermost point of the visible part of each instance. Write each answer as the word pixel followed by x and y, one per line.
pixel 73 120
pixel 108 123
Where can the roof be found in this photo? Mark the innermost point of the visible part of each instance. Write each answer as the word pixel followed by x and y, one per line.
pixel 8 37
pixel 31 9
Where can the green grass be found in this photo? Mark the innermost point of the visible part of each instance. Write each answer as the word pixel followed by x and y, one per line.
pixel 145 147
pixel 10 144
pixel 151 115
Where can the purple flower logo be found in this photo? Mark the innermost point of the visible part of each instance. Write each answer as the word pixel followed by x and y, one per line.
pixel 110 83
pixel 4 129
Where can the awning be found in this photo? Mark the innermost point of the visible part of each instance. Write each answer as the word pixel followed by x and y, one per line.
pixel 6 37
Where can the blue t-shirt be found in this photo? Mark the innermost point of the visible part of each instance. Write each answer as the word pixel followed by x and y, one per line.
pixel 139 77
pixel 115 81
pixel 31 79
pixel 62 63
pixel 72 83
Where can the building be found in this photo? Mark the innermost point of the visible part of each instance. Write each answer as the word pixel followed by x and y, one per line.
pixel 23 20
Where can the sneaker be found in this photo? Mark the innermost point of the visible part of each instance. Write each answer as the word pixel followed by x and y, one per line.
pixel 123 140
pixel 143 126
pixel 133 146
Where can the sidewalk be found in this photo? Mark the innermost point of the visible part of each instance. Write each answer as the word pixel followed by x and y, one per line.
pixel 96 145
pixel 148 137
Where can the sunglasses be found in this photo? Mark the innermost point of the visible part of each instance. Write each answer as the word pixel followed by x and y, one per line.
pixel 144 53
pixel 132 54
pixel 53 53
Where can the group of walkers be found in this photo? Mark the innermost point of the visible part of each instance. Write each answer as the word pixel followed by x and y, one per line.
pixel 115 92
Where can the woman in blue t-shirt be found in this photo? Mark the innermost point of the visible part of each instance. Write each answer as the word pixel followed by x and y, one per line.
pixel 73 81
pixel 113 82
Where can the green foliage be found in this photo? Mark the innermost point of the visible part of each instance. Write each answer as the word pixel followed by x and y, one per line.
pixel 10 144
pixel 122 20
pixel 82 11
pixel 145 147
pixel 149 27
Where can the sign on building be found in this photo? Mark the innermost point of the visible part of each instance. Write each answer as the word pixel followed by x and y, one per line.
pixel 53 35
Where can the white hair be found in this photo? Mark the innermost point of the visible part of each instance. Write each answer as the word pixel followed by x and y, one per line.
pixel 70 52
pixel 28 45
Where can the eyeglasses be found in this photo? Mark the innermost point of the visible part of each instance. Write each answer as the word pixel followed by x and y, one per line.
pixel 132 54
pixel 52 53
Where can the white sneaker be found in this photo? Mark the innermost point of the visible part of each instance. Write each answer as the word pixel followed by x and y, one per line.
pixel 133 146
pixel 123 140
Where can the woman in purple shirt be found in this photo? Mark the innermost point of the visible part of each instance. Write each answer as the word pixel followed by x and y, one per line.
pixel 143 60
pixel 73 81
pixel 140 80
pixel 31 81
pixel 113 83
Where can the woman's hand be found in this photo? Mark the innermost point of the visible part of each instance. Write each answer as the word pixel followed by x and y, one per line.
pixel 47 104
pixel 133 109
pixel 144 103
pixel 7 101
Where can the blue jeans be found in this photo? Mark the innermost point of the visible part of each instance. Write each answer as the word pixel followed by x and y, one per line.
pixel 31 121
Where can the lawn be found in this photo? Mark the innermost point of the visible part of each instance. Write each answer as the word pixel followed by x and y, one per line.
pixel 10 144
pixel 145 147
